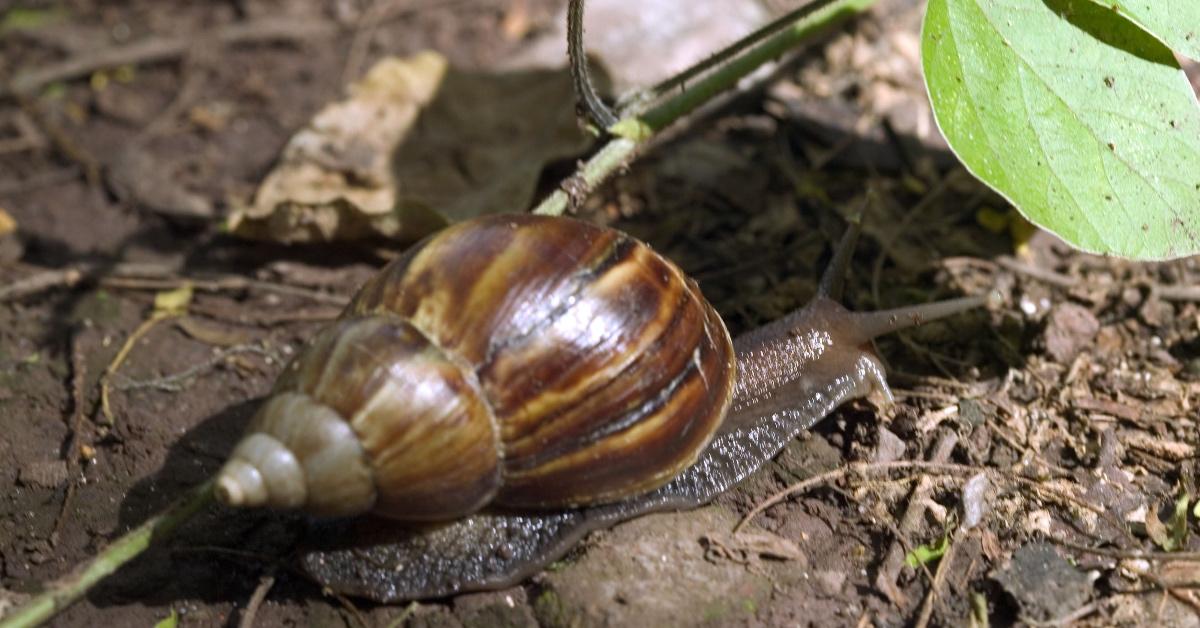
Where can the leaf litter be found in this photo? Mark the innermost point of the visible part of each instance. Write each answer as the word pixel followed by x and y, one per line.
pixel 410 150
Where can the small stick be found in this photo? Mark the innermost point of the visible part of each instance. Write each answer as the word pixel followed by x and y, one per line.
pixel 1041 274
pixel 106 379
pixel 1177 293
pixel 885 580
pixel 157 49
pixel 39 283
pixel 66 591
pixel 178 381
pixel 256 600
pixel 960 471
pixel 939 579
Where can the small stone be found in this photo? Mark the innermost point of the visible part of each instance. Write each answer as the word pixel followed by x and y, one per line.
pixel 1069 329
pixel 1045 585
pixel 1156 312
pixel 44 474
pixel 890 447
pixel 830 582
pixel 508 608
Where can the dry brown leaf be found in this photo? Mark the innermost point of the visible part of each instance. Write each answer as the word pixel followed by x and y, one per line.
pixel 417 144
pixel 747 546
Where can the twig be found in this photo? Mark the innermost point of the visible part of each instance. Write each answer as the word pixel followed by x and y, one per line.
pixel 70 450
pixel 62 593
pixel 177 381
pixel 221 284
pixel 1177 293
pixel 1066 620
pixel 1128 554
pixel 1041 274
pixel 402 617
pixel 266 318
pixel 889 570
pixel 350 608
pixel 158 49
pixel 635 130
pixel 41 282
pixel 260 594
pixel 959 471
pixel 153 277
pixel 939 579
pixel 105 380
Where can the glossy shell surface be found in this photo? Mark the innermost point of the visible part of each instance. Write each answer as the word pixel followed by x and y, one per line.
pixel 537 362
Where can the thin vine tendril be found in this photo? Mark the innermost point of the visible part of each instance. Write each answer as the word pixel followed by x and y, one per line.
pixel 590 101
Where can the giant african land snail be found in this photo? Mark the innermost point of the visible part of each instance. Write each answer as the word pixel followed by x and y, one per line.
pixel 520 380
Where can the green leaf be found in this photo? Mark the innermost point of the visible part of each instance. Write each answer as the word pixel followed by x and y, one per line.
pixel 1081 119
pixel 170 621
pixel 1171 535
pixel 927 553
pixel 1176 23
pixel 173 301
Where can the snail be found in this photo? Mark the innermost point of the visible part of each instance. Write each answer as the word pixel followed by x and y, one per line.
pixel 516 381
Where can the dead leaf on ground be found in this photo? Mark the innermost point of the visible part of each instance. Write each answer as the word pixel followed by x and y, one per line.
pixel 745 547
pixel 138 176
pixel 412 149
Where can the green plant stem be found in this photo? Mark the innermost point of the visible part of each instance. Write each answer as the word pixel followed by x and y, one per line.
pixel 66 591
pixel 740 59
pixel 636 101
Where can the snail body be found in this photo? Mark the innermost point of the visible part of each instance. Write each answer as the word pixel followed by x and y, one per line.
pixel 516 381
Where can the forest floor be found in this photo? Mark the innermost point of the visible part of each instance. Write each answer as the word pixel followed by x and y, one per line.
pixel 1071 412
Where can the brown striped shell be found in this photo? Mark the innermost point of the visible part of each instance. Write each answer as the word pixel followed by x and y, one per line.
pixel 514 360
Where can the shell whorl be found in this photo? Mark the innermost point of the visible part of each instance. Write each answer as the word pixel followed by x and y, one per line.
pixel 606 370
pixel 298 453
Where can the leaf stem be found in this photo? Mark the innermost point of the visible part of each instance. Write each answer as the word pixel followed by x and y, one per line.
pixel 724 69
pixel 66 591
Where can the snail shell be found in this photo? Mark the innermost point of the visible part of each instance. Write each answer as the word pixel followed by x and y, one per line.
pixel 515 360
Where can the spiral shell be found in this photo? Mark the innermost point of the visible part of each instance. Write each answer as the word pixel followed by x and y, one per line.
pixel 512 360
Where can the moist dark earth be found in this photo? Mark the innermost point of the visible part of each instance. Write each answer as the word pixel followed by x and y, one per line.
pixel 1068 413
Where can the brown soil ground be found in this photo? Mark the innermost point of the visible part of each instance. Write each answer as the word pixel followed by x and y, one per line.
pixel 1077 398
